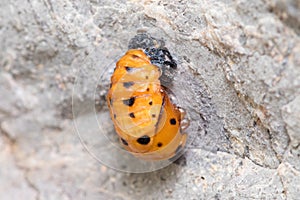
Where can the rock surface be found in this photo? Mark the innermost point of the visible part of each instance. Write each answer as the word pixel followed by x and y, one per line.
pixel 238 79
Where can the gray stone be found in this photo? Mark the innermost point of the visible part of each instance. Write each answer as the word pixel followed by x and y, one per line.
pixel 238 80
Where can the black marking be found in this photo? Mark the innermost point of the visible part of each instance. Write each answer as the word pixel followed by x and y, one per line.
pixel 153 115
pixel 159 144
pixel 148 89
pixel 173 121
pixel 134 56
pixel 131 115
pixel 146 77
pixel 171 64
pixel 179 148
pixel 115 116
pixel 129 69
pixel 150 103
pixel 110 101
pixel 129 102
pixel 124 142
pixel 128 84
pixel 110 85
pixel 144 140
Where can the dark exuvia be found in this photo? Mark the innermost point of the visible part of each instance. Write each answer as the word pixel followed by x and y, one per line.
pixel 159 55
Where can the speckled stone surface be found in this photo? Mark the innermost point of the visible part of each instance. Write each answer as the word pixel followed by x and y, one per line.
pixel 238 79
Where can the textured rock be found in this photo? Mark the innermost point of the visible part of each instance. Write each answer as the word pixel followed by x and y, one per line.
pixel 238 79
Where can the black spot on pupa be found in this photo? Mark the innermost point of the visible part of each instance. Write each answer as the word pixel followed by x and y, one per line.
pixel 115 116
pixel 135 56
pixel 148 89
pixel 173 121
pixel 131 115
pixel 150 103
pixel 129 102
pixel 129 69
pixel 124 142
pixel 159 144
pixel 144 140
pixel 146 77
pixel 153 115
pixel 128 84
